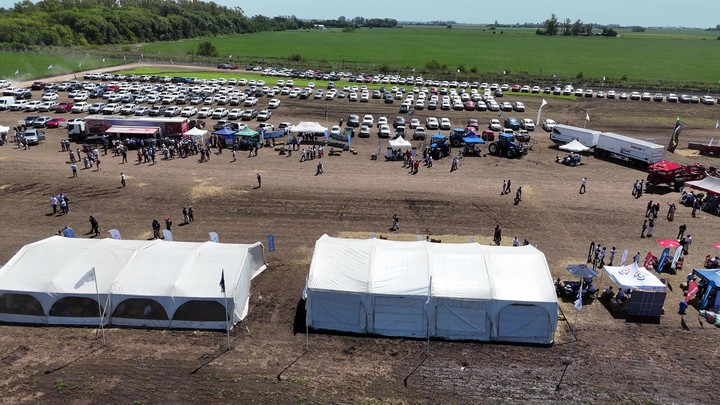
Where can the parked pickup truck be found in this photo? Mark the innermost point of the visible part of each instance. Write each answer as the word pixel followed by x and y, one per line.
pixel 34 136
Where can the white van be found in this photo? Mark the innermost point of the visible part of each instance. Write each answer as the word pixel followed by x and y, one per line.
pixel 6 102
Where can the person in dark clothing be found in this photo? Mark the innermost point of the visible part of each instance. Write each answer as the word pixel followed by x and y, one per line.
pixel 681 231
pixel 94 226
pixel 168 224
pixel 156 229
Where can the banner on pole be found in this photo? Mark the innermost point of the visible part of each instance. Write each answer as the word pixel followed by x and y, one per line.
pixel 271 242
pixel 167 235
pixel 214 237
pixel 115 234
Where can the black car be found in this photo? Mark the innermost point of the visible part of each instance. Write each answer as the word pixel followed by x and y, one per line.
pixel 398 122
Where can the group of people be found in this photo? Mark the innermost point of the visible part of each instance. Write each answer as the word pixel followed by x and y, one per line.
pixel 61 201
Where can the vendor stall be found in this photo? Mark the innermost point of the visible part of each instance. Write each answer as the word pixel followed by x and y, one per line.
pixel 647 291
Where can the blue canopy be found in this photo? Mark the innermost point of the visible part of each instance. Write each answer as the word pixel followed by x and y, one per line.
pixel 438 136
pixel 224 132
pixel 470 139
pixel 273 134
pixel 709 275
pixel 581 270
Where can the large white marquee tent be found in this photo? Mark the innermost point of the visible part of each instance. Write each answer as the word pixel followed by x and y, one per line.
pixel 422 289
pixel 139 283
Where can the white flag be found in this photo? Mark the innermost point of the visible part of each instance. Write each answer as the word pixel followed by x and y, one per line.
pixel 587 117
pixel 413 69
pixel 603 78
pixel 214 237
pixel 717 124
pixel 543 104
pixel 80 64
pixel 578 304
pixel 17 72
pixel 50 67
pixel 503 72
pixel 115 234
pixel 167 235
pixel 86 278
pixel 103 59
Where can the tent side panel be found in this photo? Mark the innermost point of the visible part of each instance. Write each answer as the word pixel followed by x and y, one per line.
pixel 76 320
pixel 526 323
pixel 336 310
pixel 400 316
pixel 140 323
pixel 30 319
pixel 462 319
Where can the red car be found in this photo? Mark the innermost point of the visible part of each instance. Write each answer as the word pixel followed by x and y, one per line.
pixel 38 85
pixel 516 88
pixel 55 122
pixel 63 107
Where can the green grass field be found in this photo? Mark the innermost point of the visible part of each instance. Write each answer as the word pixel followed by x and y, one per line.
pixel 35 65
pixel 672 55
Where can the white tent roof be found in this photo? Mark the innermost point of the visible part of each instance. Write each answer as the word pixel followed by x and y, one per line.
pixel 195 132
pixel 169 273
pixel 415 289
pixel 309 127
pixel 574 146
pixel 634 277
pixel 708 184
pixel 467 270
pixel 400 143
pixel 4 130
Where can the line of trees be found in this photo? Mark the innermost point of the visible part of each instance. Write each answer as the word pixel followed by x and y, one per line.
pixel 552 26
pixel 101 22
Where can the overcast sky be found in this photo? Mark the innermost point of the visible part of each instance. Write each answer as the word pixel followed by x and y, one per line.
pixel 688 13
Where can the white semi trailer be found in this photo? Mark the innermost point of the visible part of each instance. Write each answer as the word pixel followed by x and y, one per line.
pixel 638 152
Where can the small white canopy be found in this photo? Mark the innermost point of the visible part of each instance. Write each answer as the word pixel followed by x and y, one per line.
pixel 634 277
pixel 4 130
pixel 400 143
pixel 309 127
pixel 710 185
pixel 574 146
pixel 195 132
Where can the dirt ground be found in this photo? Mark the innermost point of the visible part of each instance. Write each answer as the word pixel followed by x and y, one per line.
pixel 610 361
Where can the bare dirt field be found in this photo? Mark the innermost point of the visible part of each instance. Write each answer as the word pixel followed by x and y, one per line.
pixel 610 361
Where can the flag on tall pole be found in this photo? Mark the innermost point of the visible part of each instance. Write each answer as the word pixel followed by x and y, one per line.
pixel 675 138
pixel 717 124
pixel 543 104
pixel 227 317
pixel 587 118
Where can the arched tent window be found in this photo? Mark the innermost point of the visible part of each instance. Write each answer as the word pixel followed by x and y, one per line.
pixel 200 311
pixel 20 304
pixel 140 308
pixel 75 307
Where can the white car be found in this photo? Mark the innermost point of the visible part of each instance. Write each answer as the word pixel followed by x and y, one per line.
pixel 220 113
pixel 549 124
pixel 431 123
pixel 80 108
pixel 527 124
pixel 128 109
pixel 414 123
pixel 173 111
pixel 144 110
pixel 518 106
pixel 495 124
pixel 384 131
pixel 47 106
pixel 49 97
pixel 274 103
pixel 31 105
pixel 368 120
pixel 445 123
pixel 335 130
pixel 205 112
pixel 264 115
pixel 381 121
pixel 235 114
pixel 188 111
pixel 250 101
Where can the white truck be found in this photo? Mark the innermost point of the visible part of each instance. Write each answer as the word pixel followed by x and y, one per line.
pixel 563 134
pixel 638 152
pixel 6 102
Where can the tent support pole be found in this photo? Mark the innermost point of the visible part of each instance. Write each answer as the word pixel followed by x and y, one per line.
pixel 227 319
pixel 100 309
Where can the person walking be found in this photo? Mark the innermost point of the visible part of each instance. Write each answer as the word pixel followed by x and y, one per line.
pixel 651 226
pixel 671 212
pixel 648 209
pixel 681 231
pixel 644 228
pixel 395 220
pixel 319 170
pixel 122 179
pixel 583 182
pixel 518 196
pixel 185 216
pixel 94 226
pixel 504 187
pixel 156 229
pixel 168 224
pixel 507 190
pixel 97 163
pixel 696 205
pixel 259 179
pixel 73 167
pixel 635 187
pixel 515 241
pixel 191 214
pixel 688 241
pixel 497 235
pixel 612 255
pixel 53 203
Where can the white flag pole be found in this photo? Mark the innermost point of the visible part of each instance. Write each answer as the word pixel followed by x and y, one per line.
pixel 100 310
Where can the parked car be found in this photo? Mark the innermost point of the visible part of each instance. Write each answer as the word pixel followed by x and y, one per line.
pixel 128 109
pixel 512 123
pixel 495 124
pixel 173 111
pixel 518 106
pixel 220 112
pixel 96 108
pixel 419 134
pixel 445 123
pixel 264 115
pixel 364 132
pixel 548 124
pixel 527 124
pixel 80 107
pixel 249 114
pixel 353 120
pixel 55 122
pixel 143 110
pixel 41 122
pixel 205 112
pixel 33 136
pixel 188 111
pixel 64 107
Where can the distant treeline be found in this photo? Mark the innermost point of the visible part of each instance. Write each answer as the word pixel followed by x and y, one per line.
pixel 101 22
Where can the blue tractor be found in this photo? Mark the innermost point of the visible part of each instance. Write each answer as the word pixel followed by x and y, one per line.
pixel 439 146
pixel 506 146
